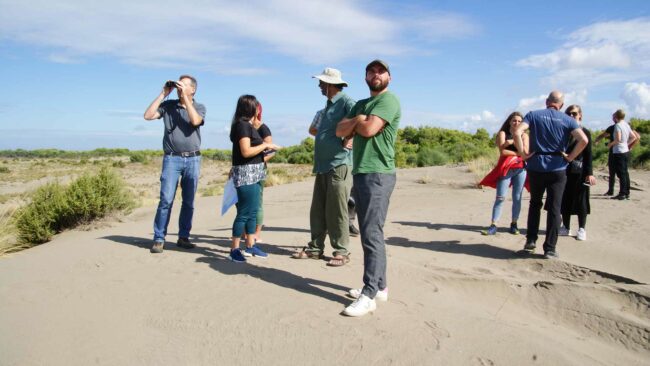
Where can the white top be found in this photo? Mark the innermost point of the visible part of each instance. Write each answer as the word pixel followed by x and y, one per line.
pixel 625 131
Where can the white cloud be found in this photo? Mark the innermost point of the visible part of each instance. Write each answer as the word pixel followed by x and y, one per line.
pixel 221 35
pixel 526 105
pixel 637 98
pixel 601 53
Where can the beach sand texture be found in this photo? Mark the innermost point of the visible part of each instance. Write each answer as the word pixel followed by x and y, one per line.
pixel 456 297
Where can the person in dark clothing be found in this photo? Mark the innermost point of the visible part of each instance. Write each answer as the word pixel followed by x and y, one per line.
pixel 579 173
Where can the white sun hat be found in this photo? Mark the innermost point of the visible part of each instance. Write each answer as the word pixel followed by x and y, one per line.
pixel 331 76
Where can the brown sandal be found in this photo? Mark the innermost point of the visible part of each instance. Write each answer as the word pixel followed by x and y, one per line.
pixel 306 254
pixel 338 260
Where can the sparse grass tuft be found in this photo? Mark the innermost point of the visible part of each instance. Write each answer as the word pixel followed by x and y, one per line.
pixel 480 167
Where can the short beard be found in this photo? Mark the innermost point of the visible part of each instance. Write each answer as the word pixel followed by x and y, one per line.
pixel 377 88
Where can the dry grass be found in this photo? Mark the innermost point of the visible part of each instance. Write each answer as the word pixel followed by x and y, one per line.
pixel 480 167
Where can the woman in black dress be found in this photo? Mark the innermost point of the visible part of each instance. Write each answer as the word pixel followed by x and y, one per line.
pixel 575 200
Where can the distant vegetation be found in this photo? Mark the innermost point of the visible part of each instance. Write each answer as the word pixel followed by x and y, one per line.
pixel 54 207
pixel 416 147
pixel 640 155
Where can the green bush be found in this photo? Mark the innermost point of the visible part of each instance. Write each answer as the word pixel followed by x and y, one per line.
pixel 4 169
pixel 54 207
pixel 138 157
pixel 431 157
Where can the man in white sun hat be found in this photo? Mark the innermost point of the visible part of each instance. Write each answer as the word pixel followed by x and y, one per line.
pixel 333 167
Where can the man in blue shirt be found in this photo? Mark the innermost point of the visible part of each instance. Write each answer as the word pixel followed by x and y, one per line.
pixel 550 133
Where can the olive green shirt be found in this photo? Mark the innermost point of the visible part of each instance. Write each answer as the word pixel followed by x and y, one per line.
pixel 377 154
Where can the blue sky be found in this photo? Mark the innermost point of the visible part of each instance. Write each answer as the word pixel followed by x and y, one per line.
pixel 79 74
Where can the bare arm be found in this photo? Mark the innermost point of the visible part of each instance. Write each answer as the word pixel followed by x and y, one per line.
pixel 152 111
pixel 370 127
pixel 517 136
pixel 600 137
pixel 249 151
pixel 635 137
pixel 346 126
pixel 195 118
pixel 502 144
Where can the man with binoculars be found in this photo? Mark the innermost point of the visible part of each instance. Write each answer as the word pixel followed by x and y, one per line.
pixel 182 119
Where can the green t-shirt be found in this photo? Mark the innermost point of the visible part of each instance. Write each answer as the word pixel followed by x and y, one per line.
pixel 377 154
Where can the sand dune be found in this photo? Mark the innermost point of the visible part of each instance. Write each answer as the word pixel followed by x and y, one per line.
pixel 456 297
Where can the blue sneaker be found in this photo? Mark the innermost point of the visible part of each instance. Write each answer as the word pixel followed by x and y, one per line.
pixel 255 251
pixel 236 256
pixel 492 230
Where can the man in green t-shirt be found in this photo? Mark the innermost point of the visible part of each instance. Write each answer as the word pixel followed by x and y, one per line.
pixel 333 168
pixel 373 122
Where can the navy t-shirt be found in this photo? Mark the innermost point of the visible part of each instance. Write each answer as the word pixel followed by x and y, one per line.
pixel 550 132
pixel 238 131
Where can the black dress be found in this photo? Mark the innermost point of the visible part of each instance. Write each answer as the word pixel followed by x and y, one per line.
pixel 575 200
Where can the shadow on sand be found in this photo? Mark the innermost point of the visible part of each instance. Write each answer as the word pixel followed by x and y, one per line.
pixel 454 246
pixel 460 227
pixel 218 260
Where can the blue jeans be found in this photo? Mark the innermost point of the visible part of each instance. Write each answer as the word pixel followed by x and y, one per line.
pixel 248 202
pixel 518 178
pixel 173 167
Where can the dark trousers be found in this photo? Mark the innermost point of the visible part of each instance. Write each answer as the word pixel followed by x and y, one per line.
pixel 553 184
pixel 611 172
pixel 373 193
pixel 620 162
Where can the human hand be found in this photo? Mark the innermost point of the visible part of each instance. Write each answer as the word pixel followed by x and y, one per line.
pixel 347 142
pixel 168 87
pixel 591 180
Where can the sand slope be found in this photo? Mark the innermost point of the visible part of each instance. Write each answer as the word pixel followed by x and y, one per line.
pixel 456 297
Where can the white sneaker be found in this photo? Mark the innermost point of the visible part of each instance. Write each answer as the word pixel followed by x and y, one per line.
pixel 582 234
pixel 564 231
pixel 382 295
pixel 361 306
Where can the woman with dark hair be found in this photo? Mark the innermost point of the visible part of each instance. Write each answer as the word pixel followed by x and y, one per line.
pixel 508 171
pixel 247 171
pixel 575 200
pixel 265 133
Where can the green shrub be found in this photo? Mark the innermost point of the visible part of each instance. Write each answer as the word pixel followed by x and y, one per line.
pixel 138 157
pixel 54 207
pixel 119 164
pixel 431 157
pixel 4 169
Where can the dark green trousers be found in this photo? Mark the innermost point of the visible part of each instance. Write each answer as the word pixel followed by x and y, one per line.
pixel 329 210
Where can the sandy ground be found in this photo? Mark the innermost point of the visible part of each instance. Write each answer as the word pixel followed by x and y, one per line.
pixel 456 297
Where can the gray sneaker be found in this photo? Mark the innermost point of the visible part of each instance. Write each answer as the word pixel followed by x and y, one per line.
pixel 551 255
pixel 185 243
pixel 157 247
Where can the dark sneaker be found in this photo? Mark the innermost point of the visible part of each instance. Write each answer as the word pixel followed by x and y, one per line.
pixel 185 243
pixel 530 246
pixel 608 193
pixel 157 247
pixel 514 230
pixel 255 251
pixel 492 230
pixel 551 255
pixel 353 230
pixel 620 197
pixel 236 256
